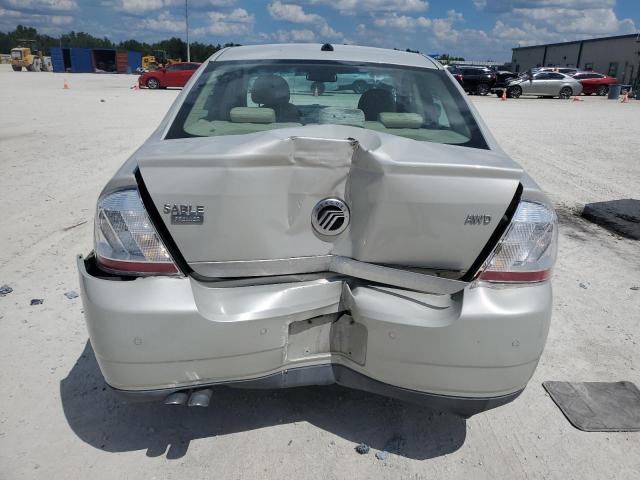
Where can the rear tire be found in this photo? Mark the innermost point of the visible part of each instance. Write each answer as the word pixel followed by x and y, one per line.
pixel 603 90
pixel 515 91
pixel 153 83
pixel 565 93
pixel 483 89
pixel 16 68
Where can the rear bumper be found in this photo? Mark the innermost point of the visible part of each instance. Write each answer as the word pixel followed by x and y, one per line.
pixel 479 347
pixel 344 376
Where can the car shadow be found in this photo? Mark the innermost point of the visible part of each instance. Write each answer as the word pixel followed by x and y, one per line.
pixel 98 417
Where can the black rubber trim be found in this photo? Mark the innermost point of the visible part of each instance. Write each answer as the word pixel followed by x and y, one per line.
pixel 94 270
pixel 495 236
pixel 161 228
pixel 328 374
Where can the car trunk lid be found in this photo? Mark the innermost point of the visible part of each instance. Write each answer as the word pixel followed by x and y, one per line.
pixel 239 206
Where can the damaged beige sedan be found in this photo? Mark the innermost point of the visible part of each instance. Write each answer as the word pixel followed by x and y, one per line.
pixel 280 229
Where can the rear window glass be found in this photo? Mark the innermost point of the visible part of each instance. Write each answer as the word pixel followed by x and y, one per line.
pixel 235 98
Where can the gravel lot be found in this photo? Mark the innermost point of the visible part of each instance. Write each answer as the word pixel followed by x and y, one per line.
pixel 57 149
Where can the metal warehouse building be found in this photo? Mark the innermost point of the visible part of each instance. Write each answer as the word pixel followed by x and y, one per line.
pixel 616 56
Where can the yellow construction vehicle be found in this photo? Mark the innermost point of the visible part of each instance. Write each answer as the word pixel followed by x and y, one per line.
pixel 27 55
pixel 157 60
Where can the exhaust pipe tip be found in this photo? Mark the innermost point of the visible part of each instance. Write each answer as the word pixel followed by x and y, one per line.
pixel 200 398
pixel 177 398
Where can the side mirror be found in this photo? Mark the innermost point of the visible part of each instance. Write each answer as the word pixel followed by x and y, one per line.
pixel 163 70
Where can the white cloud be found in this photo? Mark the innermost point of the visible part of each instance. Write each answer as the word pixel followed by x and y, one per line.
pixel 39 6
pixel 590 22
pixel 136 7
pixel 546 23
pixel 165 22
pixel 289 12
pixel 60 19
pixel 518 22
pixel 502 6
pixel 328 32
pixel 285 36
pixel 235 23
pixel 142 6
pixel 49 24
pixel 439 28
pixel 371 6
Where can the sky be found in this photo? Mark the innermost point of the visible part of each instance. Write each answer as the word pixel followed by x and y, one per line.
pixel 474 29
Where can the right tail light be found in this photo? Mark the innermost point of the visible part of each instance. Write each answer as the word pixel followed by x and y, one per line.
pixel 527 251
pixel 126 242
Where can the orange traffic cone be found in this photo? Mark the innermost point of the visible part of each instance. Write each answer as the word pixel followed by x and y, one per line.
pixel 625 98
pixel 66 85
pixel 577 99
pixel 504 95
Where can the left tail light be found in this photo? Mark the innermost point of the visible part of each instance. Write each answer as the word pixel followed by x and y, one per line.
pixel 126 242
pixel 527 251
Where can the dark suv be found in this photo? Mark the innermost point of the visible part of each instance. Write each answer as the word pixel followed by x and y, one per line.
pixel 502 80
pixel 477 80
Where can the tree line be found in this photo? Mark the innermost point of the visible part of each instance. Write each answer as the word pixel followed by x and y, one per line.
pixel 174 46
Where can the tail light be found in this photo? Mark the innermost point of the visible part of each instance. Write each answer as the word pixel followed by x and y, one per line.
pixel 126 242
pixel 527 250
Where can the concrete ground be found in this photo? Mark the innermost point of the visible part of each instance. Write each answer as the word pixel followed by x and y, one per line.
pixel 57 149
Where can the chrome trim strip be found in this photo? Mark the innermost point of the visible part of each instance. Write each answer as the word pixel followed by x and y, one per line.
pixel 262 268
pixel 330 263
pixel 396 277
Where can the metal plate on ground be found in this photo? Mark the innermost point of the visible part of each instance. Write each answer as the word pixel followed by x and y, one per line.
pixel 598 406
pixel 619 216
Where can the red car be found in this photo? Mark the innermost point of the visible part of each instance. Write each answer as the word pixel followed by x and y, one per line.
pixel 593 82
pixel 176 75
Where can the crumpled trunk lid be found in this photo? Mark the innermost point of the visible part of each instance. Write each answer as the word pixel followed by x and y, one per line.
pixel 239 205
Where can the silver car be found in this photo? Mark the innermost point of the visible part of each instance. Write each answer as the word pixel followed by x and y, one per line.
pixel 544 84
pixel 267 239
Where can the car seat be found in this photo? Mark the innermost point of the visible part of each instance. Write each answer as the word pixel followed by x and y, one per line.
pixel 374 101
pixel 272 91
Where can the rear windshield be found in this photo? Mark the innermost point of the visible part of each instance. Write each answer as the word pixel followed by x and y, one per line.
pixel 236 98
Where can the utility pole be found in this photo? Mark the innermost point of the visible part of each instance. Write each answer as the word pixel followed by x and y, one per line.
pixel 186 21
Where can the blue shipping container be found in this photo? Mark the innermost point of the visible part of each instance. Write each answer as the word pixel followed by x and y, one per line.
pixel 135 60
pixel 81 61
pixel 57 59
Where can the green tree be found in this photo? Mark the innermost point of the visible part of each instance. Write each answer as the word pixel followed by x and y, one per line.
pixel 175 47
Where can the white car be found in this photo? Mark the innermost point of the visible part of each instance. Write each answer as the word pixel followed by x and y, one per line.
pixel 378 240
